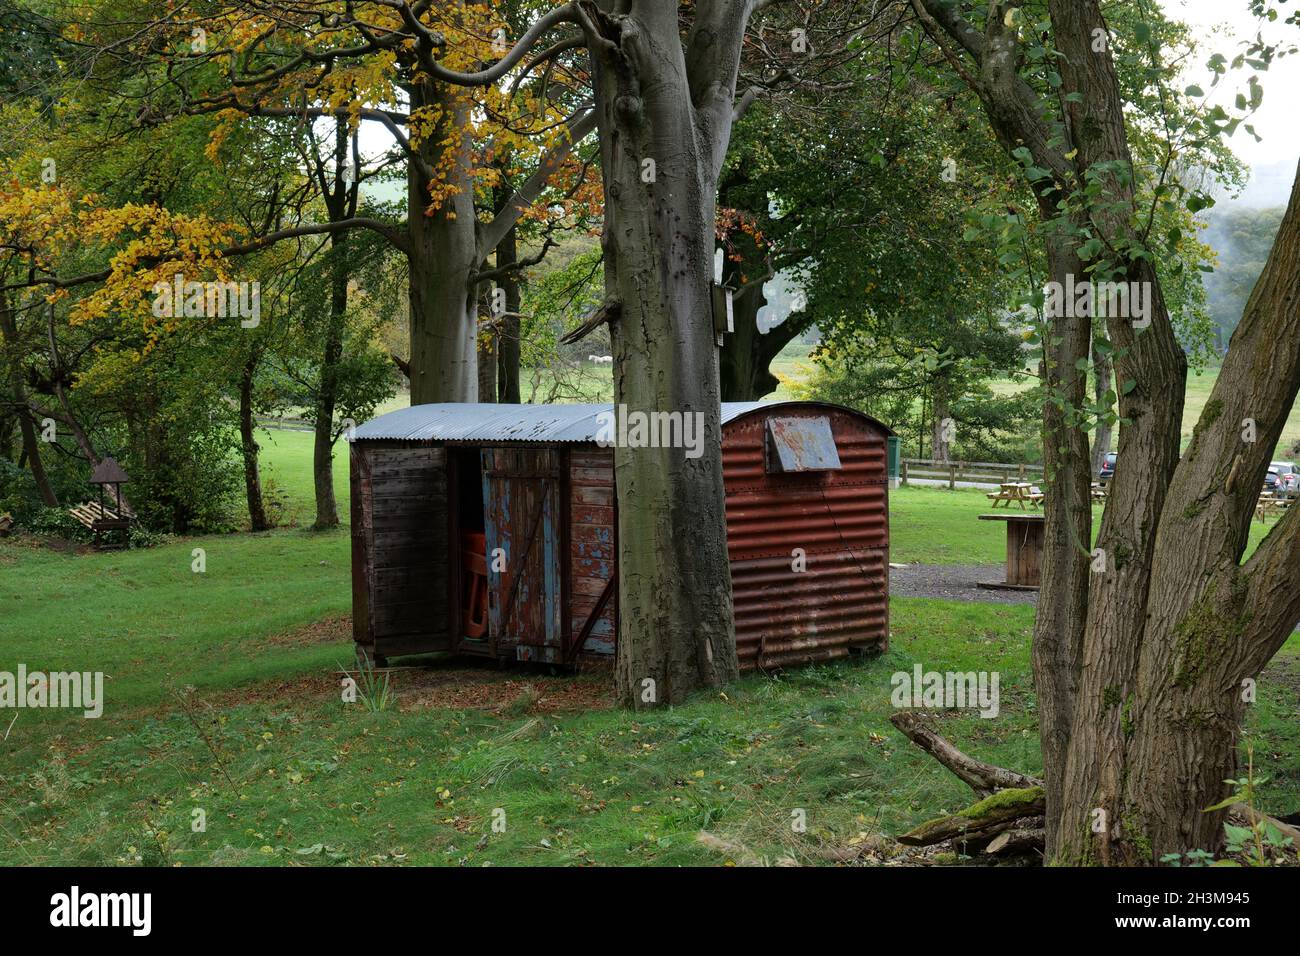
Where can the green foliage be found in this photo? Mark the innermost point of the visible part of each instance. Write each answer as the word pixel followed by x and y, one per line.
pixel 55 523
pixel 554 302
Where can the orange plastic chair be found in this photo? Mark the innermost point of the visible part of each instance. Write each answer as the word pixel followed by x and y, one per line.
pixel 473 558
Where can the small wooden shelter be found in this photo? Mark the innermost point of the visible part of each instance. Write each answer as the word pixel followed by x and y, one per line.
pixel 440 493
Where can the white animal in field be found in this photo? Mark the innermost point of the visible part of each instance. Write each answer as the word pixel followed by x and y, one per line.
pixel 601 359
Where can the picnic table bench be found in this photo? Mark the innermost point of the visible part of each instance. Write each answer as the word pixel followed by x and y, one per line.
pixel 1024 550
pixel 1018 492
pixel 102 521
pixel 1270 504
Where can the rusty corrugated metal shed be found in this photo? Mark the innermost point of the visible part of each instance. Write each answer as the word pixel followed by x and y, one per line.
pixel 460 422
pixel 837 518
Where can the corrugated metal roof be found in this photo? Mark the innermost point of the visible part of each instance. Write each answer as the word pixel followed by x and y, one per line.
pixel 452 421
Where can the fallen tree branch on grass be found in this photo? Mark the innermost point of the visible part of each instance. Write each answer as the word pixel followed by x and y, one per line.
pixel 984 778
pixel 1008 818
pixel 989 817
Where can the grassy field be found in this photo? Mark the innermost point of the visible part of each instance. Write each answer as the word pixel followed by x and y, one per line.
pixel 223 707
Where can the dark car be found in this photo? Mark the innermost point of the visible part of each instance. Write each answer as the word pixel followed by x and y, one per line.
pixel 1107 471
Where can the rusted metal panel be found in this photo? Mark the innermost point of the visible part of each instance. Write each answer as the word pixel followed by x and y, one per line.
pixel 801 444
pixel 521 494
pixel 809 549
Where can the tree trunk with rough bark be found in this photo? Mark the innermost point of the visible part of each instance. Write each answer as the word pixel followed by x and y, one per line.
pixel 508 324
pixel 1141 707
pixel 747 352
pixel 941 424
pixel 327 512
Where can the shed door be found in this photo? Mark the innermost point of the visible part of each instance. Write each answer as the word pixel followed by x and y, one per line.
pixel 523 529
pixel 399 549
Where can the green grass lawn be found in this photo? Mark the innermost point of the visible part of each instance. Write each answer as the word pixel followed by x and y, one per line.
pixel 223 697
pixel 285 463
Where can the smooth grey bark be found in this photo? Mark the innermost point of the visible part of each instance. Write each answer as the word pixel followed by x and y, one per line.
pixel 665 117
pixel 442 255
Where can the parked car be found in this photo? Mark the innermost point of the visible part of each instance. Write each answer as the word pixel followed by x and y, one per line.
pixel 1282 478
pixel 1107 467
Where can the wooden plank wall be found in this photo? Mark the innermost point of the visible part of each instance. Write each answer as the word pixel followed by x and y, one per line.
pixel 518 483
pixel 400 549
pixel 592 544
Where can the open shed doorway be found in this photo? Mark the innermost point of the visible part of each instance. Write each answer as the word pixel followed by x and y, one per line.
pixel 471 567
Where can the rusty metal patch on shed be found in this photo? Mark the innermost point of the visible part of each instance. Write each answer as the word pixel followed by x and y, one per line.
pixel 801 444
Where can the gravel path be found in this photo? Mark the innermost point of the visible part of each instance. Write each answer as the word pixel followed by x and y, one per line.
pixel 955 582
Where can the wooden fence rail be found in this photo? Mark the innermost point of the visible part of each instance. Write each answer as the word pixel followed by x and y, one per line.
pixel 983 472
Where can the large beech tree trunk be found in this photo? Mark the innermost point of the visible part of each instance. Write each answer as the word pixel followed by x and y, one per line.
pixel 442 255
pixel 665 119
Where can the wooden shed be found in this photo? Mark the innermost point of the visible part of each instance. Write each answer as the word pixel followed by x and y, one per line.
pixel 491 530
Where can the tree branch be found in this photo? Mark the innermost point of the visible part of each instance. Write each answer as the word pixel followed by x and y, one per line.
pixel 491 234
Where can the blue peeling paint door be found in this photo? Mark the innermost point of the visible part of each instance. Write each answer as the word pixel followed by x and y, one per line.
pixel 523 529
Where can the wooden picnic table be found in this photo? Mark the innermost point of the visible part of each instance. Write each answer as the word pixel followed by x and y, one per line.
pixel 1024 550
pixel 1098 491
pixel 1268 504
pixel 1017 492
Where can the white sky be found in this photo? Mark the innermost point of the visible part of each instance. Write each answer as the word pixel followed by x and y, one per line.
pixel 1221 26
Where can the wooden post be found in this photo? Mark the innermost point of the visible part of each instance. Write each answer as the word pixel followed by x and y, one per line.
pixel 903 476
pixel 952 476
